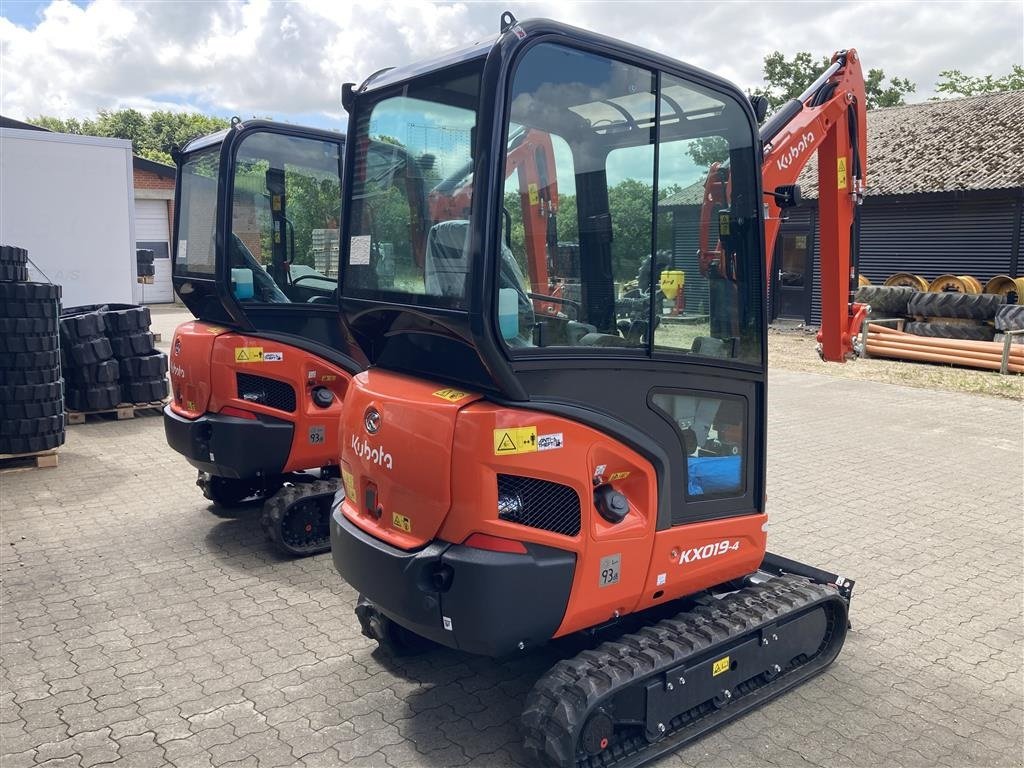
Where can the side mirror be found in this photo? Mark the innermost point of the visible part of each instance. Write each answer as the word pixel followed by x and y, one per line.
pixel 760 105
pixel 787 196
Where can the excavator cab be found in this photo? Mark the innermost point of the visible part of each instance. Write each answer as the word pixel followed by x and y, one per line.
pixel 521 464
pixel 259 376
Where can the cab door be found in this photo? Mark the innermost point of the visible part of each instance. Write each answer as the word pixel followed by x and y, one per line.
pixel 265 259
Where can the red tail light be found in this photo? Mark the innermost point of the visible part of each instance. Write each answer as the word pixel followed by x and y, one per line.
pixel 495 544
pixel 238 413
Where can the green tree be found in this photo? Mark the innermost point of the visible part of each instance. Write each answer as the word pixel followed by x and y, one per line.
pixel 787 78
pixel 152 136
pixel 953 82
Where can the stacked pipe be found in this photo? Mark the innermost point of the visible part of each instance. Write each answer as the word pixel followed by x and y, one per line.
pixel 888 342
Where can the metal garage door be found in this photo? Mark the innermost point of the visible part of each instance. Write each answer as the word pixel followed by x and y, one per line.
pixel 151 231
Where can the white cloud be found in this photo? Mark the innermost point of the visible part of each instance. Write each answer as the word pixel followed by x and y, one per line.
pixel 288 59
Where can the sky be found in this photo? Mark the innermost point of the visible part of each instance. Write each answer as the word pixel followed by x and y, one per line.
pixel 288 60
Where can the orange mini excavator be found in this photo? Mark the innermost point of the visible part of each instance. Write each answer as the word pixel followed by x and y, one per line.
pixel 519 467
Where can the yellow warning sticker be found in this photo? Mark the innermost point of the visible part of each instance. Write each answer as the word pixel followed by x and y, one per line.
pixel 534 197
pixel 720 666
pixel 214 329
pixel 451 395
pixel 510 441
pixel 248 354
pixel 350 484
pixel 618 476
pixel 723 224
pixel 841 172
pixel 401 522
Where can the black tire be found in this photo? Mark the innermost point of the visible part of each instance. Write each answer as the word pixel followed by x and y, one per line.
pixel 962 306
pixel 31 427
pixel 297 518
pixel 144 391
pixel 100 397
pixel 103 372
pixel 81 325
pixel 131 345
pixel 33 443
pixel 32 292
pixel 89 351
pixel 31 376
pixel 885 300
pixel 1001 337
pixel 126 318
pixel 29 342
pixel 31 309
pixel 149 366
pixel 960 331
pixel 30 393
pixel 30 360
pixel 12 411
pixel 145 270
pixel 144 256
pixel 13 274
pixel 10 326
pixel 1010 317
pixel 11 254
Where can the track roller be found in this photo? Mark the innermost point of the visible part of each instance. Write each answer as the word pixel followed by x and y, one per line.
pixel 296 518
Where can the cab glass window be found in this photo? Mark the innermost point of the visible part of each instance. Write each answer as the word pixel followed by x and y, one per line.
pixel 197 214
pixel 712 432
pixel 412 190
pixel 608 243
pixel 285 212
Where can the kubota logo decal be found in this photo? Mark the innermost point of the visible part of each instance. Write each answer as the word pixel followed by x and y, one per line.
pixel 177 370
pixel 707 551
pixel 795 151
pixel 365 451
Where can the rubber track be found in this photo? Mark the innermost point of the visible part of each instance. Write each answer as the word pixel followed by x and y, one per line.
pixel 275 511
pixel 558 706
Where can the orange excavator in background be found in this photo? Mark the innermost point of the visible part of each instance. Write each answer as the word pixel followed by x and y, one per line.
pixel 514 475
pixel 258 378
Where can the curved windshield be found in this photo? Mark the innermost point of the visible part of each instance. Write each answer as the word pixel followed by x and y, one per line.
pixel 412 192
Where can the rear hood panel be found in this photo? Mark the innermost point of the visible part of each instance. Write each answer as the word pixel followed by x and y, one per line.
pixel 396 448
pixel 189 363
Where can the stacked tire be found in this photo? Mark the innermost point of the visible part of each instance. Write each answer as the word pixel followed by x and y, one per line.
pixel 954 315
pixel 91 371
pixel 31 388
pixel 1010 317
pixel 144 262
pixel 143 369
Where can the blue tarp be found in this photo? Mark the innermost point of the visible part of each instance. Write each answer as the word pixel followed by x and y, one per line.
pixel 714 474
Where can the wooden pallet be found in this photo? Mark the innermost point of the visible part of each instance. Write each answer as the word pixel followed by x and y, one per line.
pixel 147 280
pixel 19 462
pixel 119 413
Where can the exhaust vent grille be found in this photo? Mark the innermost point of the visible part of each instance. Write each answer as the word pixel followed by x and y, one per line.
pixel 539 504
pixel 269 392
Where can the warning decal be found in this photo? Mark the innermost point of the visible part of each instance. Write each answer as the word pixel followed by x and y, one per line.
pixel 248 354
pixel 550 442
pixel 720 666
pixel 841 172
pixel 510 441
pixel 451 395
pixel 534 196
pixel 401 522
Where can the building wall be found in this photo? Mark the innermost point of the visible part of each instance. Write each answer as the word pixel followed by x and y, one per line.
pixel 149 185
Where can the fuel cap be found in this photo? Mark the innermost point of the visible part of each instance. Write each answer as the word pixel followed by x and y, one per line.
pixel 322 396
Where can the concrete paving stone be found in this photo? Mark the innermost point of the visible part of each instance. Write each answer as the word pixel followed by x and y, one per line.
pixel 138 633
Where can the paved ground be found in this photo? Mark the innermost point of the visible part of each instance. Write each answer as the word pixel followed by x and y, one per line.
pixel 140 628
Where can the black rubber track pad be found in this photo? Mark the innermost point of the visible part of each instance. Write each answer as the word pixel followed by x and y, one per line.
pixel 131 345
pixel 143 367
pixel 104 372
pixel 13 273
pixel 89 352
pixel 23 360
pixel 11 254
pixel 126 318
pixel 81 326
pixel 10 411
pixel 29 292
pixel 33 443
pixel 100 397
pixel 29 342
pixel 144 391
pixel 30 393
pixel 18 377
pixel 31 308
pixel 16 325
pixel 30 427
